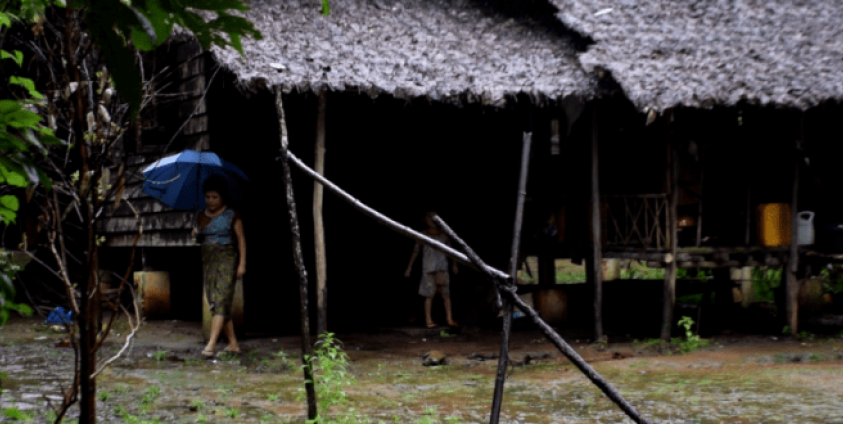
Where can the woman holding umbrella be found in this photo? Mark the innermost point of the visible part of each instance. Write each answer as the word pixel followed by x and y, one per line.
pixel 219 229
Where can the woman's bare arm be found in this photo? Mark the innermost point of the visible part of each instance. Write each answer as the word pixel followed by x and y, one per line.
pixel 241 245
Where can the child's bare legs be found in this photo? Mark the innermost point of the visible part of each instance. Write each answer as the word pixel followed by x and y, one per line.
pixel 428 304
pixel 447 300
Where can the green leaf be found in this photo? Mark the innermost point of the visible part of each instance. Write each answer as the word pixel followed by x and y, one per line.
pixel 326 8
pixel 144 26
pixel 13 172
pixel 8 106
pixel 49 139
pixel 4 20
pixel 28 84
pixel 17 56
pixel 10 202
pixel 160 19
pixel 141 40
pixel 45 179
pixel 7 215
pixel 216 5
pixel 23 309
pixel 23 119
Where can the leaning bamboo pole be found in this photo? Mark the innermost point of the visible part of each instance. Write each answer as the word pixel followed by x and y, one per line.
pixel 306 348
pixel 501 280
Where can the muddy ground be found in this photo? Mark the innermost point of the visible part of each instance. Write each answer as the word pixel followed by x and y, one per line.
pixel 738 379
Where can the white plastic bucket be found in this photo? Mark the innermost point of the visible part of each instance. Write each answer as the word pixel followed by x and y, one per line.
pixel 805 228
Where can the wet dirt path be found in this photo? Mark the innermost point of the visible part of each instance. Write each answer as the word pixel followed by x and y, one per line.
pixel 163 380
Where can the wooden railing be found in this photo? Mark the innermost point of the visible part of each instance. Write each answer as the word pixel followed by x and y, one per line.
pixel 635 220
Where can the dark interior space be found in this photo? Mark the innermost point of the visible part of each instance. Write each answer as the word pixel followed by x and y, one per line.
pixel 400 158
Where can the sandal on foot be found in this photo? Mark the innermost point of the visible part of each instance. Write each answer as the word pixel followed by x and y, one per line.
pixel 432 325
pixel 231 350
pixel 207 354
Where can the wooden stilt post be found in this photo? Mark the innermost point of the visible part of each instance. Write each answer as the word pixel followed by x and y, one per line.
pixel 748 227
pixel 670 270
pixel 792 286
pixel 318 226
pixel 702 198
pixel 594 266
pixel 513 269
pixel 298 257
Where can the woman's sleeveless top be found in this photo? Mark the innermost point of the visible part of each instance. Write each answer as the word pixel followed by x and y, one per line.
pixel 220 230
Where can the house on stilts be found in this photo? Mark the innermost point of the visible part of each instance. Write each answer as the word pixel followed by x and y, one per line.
pixel 682 136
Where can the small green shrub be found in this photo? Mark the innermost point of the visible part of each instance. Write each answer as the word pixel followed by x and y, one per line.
pixel 764 281
pixel 151 395
pixel 330 366
pixel 15 414
pixel 692 341
pixel 159 355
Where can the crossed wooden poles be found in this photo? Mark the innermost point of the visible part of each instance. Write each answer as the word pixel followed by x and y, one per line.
pixel 503 282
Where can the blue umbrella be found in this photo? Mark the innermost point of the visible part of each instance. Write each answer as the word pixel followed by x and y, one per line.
pixel 177 180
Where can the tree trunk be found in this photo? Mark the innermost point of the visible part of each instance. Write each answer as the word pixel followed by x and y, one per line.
pixel 306 348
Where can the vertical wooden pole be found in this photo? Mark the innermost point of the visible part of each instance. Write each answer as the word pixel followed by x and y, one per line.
pixel 747 239
pixel 594 267
pixel 318 226
pixel 792 287
pixel 702 198
pixel 503 360
pixel 670 270
pixel 298 257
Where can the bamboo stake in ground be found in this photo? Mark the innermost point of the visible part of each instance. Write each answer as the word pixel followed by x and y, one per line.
pixel 306 348
pixel 318 225
pixel 508 290
pixel 503 360
pixel 497 276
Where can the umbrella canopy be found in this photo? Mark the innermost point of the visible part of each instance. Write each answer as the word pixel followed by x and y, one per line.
pixel 177 180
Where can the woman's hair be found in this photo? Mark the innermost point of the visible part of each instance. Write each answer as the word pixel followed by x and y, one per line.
pixel 216 183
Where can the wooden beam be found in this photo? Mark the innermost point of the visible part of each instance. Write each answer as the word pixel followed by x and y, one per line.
pixel 318 225
pixel 792 283
pixel 594 264
pixel 670 270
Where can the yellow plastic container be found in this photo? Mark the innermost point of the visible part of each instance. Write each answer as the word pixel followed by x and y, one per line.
pixel 153 292
pixel 774 224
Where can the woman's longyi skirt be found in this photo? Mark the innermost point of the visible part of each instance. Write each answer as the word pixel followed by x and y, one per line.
pixel 220 270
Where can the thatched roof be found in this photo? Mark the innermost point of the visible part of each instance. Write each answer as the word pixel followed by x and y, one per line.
pixel 666 53
pixel 447 50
